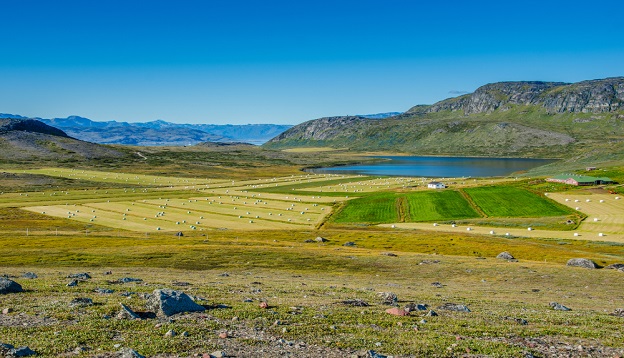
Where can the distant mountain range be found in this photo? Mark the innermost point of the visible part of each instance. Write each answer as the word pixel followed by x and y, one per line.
pixel 159 132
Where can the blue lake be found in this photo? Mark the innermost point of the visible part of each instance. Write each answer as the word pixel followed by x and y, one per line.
pixel 438 167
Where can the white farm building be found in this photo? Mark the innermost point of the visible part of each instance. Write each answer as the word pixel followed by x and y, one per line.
pixel 436 185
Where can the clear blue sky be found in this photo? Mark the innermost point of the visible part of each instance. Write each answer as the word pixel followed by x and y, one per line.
pixel 229 61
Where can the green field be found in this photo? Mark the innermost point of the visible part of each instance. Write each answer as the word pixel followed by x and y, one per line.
pixel 503 202
pixel 373 209
pixel 507 201
pixel 439 205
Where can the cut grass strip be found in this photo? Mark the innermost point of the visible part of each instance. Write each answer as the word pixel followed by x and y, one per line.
pixel 439 205
pixel 508 201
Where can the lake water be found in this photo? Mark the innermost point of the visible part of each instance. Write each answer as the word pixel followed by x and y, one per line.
pixel 438 167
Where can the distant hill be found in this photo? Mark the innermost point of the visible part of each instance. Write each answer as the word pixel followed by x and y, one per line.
pixel 32 140
pixel 160 132
pixel 531 119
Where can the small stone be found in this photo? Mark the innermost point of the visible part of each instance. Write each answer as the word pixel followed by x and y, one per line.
pixel 81 302
pixel 128 353
pixel 585 263
pixel 7 310
pixel 320 239
pixel 72 283
pixel 505 256
pixel 127 313
pixel 391 254
pixel 559 307
pixel 356 303
pixel 415 307
pixel 80 276
pixel 129 279
pixel 80 350
pixel 349 243
pixel 431 313
pixel 388 298
pixel 615 266
pixel 218 354
pixel 30 275
pixel 103 291
pixel 373 354
pixel 397 311
pixel 619 312
pixel 170 333
pixel 454 307
pixel 184 334
pixel 437 284
pixel 223 335
pixel 264 305
pixel 9 286
pixel 21 352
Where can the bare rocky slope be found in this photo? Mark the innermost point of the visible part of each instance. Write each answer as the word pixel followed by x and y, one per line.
pixel 533 119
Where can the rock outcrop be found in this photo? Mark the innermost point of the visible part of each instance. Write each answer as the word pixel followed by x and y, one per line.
pixel 169 302
pixel 596 96
pixel 9 286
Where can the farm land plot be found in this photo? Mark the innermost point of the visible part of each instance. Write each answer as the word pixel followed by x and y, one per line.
pixel 605 213
pixel 144 217
pixel 372 209
pixel 508 201
pixel 441 205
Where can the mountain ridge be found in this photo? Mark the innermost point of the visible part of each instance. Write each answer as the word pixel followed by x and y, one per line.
pixel 153 132
pixel 521 118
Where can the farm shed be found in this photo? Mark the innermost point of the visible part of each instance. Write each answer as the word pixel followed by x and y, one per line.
pixel 436 185
pixel 579 180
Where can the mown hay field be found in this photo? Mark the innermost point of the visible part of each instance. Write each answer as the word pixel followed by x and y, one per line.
pixel 507 201
pixel 439 205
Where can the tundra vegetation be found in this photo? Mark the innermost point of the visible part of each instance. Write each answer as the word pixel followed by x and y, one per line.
pixel 286 262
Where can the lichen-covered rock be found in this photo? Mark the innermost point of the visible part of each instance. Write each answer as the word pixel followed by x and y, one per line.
pixel 559 307
pixel 615 266
pixel 505 256
pixel 127 313
pixel 454 307
pixel 585 263
pixel 80 276
pixel 388 298
pixel 169 302
pixel 9 286
pixel 415 307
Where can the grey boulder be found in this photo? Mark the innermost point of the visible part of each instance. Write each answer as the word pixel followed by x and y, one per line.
pixel 559 307
pixel 9 286
pixel 585 263
pixel 167 302
pixel 454 307
pixel 505 256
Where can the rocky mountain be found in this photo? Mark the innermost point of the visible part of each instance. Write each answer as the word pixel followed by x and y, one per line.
pixel 595 96
pixel 500 119
pixel 32 140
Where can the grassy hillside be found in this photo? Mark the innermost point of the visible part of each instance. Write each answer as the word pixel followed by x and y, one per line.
pixel 521 130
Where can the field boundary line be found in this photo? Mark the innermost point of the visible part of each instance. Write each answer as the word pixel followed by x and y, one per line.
pixel 472 203
pixel 402 208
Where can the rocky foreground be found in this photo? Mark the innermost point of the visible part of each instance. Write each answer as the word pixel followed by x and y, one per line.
pixel 473 308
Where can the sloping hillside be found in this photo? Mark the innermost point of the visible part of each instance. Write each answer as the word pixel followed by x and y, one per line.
pixel 534 119
pixel 31 140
